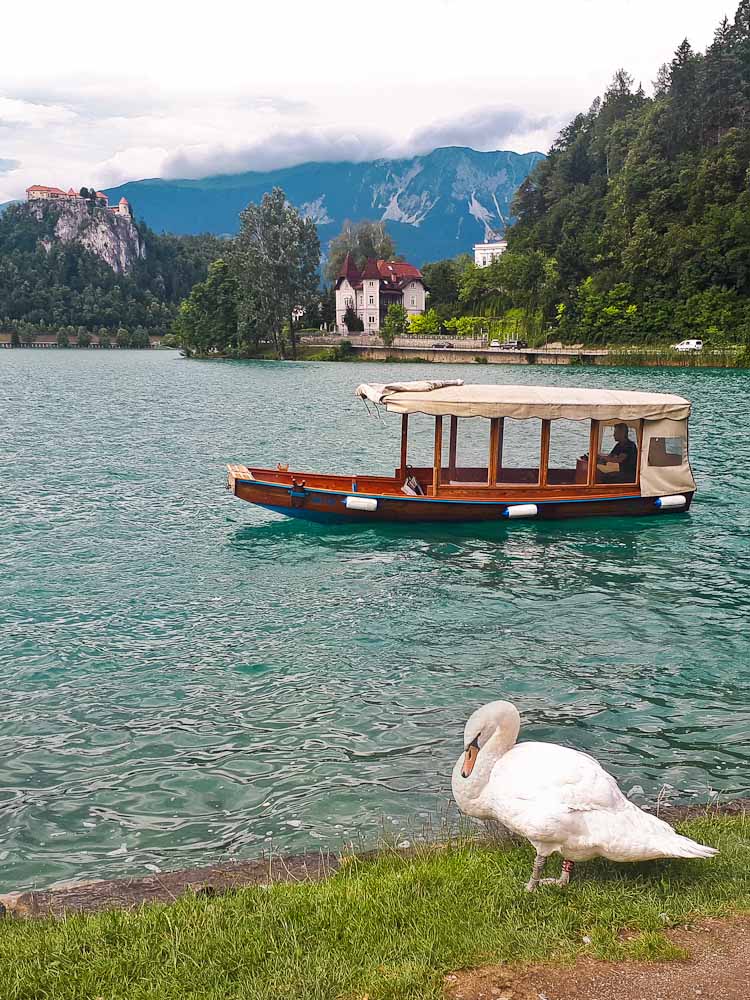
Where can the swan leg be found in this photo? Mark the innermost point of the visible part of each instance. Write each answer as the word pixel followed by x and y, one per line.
pixel 567 868
pixel 536 871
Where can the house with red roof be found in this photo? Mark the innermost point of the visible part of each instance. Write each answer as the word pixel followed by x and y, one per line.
pixel 371 291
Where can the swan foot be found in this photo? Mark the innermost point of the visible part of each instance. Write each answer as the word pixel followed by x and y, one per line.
pixel 539 862
pixel 567 868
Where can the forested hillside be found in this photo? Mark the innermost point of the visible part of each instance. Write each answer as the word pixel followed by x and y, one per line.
pixel 49 285
pixel 641 212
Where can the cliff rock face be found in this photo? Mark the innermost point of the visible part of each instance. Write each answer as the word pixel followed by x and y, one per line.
pixel 114 238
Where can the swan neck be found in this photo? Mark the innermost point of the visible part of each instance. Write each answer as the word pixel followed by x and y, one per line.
pixel 495 747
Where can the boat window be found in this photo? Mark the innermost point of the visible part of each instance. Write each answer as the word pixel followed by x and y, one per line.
pixel 663 451
pixel 520 450
pixel 421 439
pixel 471 451
pixel 568 452
pixel 617 454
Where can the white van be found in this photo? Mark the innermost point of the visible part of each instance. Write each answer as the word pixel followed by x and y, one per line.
pixel 688 345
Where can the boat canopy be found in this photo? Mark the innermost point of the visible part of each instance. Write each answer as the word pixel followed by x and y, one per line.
pixel 453 398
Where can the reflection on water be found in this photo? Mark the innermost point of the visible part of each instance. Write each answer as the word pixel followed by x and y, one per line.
pixel 186 677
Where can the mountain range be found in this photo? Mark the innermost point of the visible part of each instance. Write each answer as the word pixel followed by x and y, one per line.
pixel 435 206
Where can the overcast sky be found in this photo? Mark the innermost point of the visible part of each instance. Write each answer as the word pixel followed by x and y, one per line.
pixel 92 94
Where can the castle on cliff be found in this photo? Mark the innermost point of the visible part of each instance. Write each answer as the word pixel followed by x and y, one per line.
pixel 39 192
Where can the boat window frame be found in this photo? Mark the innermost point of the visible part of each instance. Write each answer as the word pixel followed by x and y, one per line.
pixel 596 436
pixel 495 453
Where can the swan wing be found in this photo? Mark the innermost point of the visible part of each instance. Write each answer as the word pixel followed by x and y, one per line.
pixel 562 799
pixel 570 778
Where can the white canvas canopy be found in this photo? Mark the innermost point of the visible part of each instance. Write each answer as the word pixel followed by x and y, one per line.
pixel 523 401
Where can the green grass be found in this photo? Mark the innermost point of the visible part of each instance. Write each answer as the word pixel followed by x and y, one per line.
pixel 386 929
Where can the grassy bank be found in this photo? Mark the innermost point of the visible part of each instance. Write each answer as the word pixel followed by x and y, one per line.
pixel 386 929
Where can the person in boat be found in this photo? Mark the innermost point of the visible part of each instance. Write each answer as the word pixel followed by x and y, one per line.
pixel 624 454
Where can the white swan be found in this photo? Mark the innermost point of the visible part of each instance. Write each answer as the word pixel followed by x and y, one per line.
pixel 559 799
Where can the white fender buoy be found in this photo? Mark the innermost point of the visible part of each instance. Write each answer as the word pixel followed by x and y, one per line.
pixel 670 502
pixel 521 510
pixel 361 503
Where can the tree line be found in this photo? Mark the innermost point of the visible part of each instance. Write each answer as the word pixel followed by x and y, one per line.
pixel 48 286
pixel 636 225
pixel 261 289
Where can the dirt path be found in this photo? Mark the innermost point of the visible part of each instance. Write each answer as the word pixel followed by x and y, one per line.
pixel 718 969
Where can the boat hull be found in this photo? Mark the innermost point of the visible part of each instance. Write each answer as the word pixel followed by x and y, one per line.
pixel 335 506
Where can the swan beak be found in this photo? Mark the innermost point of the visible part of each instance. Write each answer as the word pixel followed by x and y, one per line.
pixel 472 752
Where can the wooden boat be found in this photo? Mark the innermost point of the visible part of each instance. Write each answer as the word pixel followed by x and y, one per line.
pixel 655 475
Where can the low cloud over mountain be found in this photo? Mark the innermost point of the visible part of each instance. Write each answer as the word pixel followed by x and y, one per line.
pixel 436 205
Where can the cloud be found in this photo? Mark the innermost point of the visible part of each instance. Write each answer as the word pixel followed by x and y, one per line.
pixel 136 162
pixel 94 100
pixel 483 129
pixel 14 113
pixel 7 165
pixel 277 150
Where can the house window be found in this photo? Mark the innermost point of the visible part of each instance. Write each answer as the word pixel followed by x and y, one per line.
pixel 371 319
pixel 372 300
pixel 413 300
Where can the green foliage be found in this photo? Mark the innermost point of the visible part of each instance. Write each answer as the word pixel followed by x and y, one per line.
pixel 443 280
pixel 388 927
pixel 395 324
pixel 327 307
pixel 50 285
pixel 643 205
pixel 426 324
pixel 522 279
pixel 468 326
pixel 207 319
pixel 274 260
pixel 352 321
pixel 362 240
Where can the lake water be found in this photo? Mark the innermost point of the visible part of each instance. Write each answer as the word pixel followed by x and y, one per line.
pixel 186 678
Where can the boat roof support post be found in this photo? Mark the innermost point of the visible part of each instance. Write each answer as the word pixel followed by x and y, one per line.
pixel 452 444
pixel 438 456
pixel 639 434
pixel 593 452
pixel 492 460
pixel 404 443
pixel 544 456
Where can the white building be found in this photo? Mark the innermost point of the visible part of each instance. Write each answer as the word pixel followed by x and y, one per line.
pixel 485 253
pixel 373 290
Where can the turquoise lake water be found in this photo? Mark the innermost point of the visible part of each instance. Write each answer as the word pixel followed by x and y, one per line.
pixel 186 678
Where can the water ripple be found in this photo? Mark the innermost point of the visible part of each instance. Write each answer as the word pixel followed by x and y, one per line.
pixel 186 678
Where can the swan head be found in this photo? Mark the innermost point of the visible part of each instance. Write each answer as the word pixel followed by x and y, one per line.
pixel 498 720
